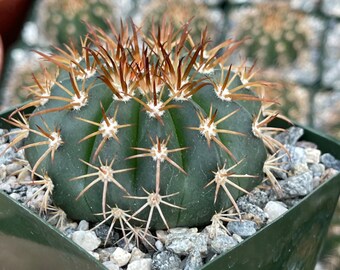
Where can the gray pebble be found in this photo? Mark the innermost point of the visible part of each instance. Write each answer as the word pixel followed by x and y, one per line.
pixel 222 243
pixel 111 265
pixel 105 253
pixel 86 239
pixel 243 228
pixel 3 172
pixel 8 156
pixel 290 136
pixel 102 232
pixel 238 238
pixel 136 254
pixel 274 210
pixel 15 196
pixel 159 245
pixel 3 139
pixel 299 185
pixel 213 231
pixel 193 261
pixel 256 197
pixel 330 162
pixel 83 226
pixel 306 144
pixel 141 264
pixel 120 257
pixel 184 243
pixel 317 169
pixel 13 136
pixel 166 260
pixel 256 212
pixel 313 155
pixel 13 167
pixel 297 156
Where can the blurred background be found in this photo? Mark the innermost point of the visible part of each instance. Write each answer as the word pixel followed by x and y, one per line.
pixel 293 42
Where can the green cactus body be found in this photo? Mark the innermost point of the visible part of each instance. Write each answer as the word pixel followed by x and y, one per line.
pixel 277 35
pixel 166 136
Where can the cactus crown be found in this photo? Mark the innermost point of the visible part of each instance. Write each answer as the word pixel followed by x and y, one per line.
pixel 148 129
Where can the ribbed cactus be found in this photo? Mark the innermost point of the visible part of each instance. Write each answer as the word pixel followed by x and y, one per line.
pixel 19 80
pixel 154 12
pixel 62 21
pixel 276 33
pixel 148 128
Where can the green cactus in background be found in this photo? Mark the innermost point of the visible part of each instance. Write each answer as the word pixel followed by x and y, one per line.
pixel 276 33
pixel 52 23
pixel 179 11
pixel 148 129
pixel 19 79
pixel 61 21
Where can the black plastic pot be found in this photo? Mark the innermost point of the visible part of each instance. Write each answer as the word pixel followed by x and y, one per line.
pixel 291 242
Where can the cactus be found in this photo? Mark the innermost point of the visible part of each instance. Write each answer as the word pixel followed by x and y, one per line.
pixel 19 80
pixel 179 12
pixel 276 34
pixel 147 129
pixel 60 21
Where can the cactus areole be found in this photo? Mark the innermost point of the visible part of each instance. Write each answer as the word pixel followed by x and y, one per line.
pixel 152 126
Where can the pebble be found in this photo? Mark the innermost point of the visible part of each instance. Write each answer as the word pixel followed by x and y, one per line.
pixel 256 197
pixel 15 196
pixel 222 243
pixel 243 228
pixel 136 254
pixel 313 155
pixel 256 212
pixel 120 257
pixel 275 209
pixel 212 232
pixel 102 232
pixel 166 260
pixel 8 156
pixel 317 169
pixel 329 173
pixel 141 264
pixel 159 245
pixel 105 253
pixel 3 172
pixel 13 167
pixel 83 226
pixel 3 139
pixel 12 181
pixel 296 157
pixel 299 185
pixel 238 238
pixel 94 254
pixel 13 135
pixel 86 239
pixel 6 187
pixel 306 144
pixel 111 265
pixel 259 207
pixel 193 261
pixel 330 162
pixel 161 235
pixel 299 168
pixel 290 136
pixel 182 242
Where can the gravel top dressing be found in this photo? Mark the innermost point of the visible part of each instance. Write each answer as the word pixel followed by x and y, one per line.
pixel 297 171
